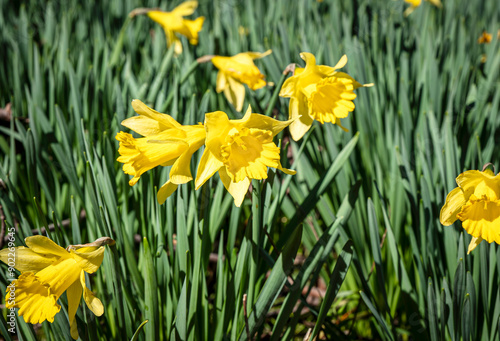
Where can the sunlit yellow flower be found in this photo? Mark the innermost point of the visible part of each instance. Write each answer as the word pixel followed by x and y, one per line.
pixel 165 143
pixel 475 202
pixel 238 70
pixel 47 271
pixel 415 3
pixel 485 38
pixel 240 150
pixel 318 92
pixel 173 22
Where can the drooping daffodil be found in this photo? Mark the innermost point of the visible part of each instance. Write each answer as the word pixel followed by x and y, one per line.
pixel 318 92
pixel 238 70
pixel 165 143
pixel 240 150
pixel 476 203
pixel 47 271
pixel 173 23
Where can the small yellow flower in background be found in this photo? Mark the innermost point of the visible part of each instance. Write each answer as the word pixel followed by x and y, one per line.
pixel 166 143
pixel 476 203
pixel 485 38
pixel 47 271
pixel 238 70
pixel 318 92
pixel 173 22
pixel 415 3
pixel 240 150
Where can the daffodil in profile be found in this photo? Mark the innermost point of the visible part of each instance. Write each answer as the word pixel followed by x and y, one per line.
pixel 238 70
pixel 318 92
pixel 47 271
pixel 165 143
pixel 476 203
pixel 240 150
pixel 173 23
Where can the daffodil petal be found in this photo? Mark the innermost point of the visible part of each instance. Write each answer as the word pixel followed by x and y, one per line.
pixel 288 87
pixel 300 126
pixel 263 122
pixel 454 202
pixel 74 294
pixel 186 8
pixel 166 190
pixel 43 245
pixel 238 190
pixel 235 93
pixel 93 303
pixel 207 167
pixel 474 243
pixel 27 259
pixel 221 83
pixel 481 218
pixel 88 258
pixel 165 121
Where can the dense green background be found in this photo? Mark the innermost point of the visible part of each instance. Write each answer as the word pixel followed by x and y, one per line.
pixel 185 266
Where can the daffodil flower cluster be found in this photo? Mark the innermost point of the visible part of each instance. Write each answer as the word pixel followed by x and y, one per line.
pixel 47 271
pixel 240 150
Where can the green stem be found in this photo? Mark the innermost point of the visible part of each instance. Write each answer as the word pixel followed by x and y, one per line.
pixel 256 241
pixel 274 98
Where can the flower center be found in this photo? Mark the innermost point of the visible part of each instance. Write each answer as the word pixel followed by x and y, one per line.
pixel 330 99
pixel 247 153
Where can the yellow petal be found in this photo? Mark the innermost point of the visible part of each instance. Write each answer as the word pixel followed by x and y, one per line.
pixel 480 184
pixel 93 303
pixel 221 82
pixel 238 190
pixel 74 294
pixel 474 243
pixel 454 202
pixel 165 191
pixel 43 245
pixel 235 93
pixel 258 55
pixel 60 275
pixel 328 71
pixel 288 88
pixel 181 169
pixel 262 122
pixel 191 28
pixel 309 58
pixel 27 259
pixel 186 8
pixel 207 167
pixel 88 259
pixel 481 218
pixel 300 126
pixel 165 121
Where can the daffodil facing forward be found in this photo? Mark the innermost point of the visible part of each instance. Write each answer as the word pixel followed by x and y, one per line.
pixel 318 92
pixel 240 150
pixel 476 203
pixel 165 143
pixel 173 23
pixel 238 70
pixel 47 271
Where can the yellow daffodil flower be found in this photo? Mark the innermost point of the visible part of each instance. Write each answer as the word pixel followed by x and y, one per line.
pixel 476 203
pixel 173 22
pixel 240 150
pixel 318 92
pixel 415 3
pixel 47 271
pixel 165 143
pixel 238 70
pixel 485 38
